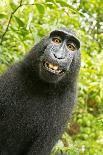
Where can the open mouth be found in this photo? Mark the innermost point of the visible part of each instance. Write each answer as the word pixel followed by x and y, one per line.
pixel 54 68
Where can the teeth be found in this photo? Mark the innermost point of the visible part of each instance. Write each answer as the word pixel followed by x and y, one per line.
pixel 55 67
pixel 52 66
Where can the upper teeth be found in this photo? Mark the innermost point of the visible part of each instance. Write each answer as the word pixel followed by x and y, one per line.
pixel 52 66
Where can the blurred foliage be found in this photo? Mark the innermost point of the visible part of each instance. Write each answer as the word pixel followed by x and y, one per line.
pixel 24 22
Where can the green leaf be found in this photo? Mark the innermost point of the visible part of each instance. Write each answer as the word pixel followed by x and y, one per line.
pixel 52 1
pixel 2 15
pixel 62 3
pixel 20 22
pixel 50 5
pixel 65 4
pixel 40 8
pixel 13 6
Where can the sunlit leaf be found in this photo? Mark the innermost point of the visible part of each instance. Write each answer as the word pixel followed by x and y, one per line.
pixel 2 15
pixel 40 8
pixel 13 6
pixel 62 3
pixel 50 5
pixel 20 22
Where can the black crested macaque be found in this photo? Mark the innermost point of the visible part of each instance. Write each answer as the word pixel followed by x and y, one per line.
pixel 37 95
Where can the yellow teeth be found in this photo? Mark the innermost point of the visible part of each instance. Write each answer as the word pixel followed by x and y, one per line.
pixel 52 66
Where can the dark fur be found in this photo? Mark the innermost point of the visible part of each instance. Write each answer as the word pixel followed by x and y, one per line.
pixel 35 108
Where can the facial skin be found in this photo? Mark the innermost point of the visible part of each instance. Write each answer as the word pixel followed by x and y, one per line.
pixel 58 55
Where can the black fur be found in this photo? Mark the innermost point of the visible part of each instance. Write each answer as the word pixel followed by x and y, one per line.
pixel 35 104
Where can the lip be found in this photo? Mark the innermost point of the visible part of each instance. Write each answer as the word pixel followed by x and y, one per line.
pixel 53 68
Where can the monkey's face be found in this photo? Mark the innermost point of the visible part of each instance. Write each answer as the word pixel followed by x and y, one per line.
pixel 58 56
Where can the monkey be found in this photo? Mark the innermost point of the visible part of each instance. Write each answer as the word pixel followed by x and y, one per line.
pixel 38 93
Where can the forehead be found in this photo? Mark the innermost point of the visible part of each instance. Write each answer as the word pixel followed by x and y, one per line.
pixel 66 34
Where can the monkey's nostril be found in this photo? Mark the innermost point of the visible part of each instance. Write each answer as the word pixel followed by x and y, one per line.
pixel 58 56
pixel 55 56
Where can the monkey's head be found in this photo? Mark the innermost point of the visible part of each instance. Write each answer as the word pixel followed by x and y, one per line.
pixel 58 55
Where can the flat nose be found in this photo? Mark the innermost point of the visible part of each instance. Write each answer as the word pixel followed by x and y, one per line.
pixel 59 54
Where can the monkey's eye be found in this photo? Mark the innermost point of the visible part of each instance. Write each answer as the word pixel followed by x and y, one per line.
pixel 56 40
pixel 71 46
